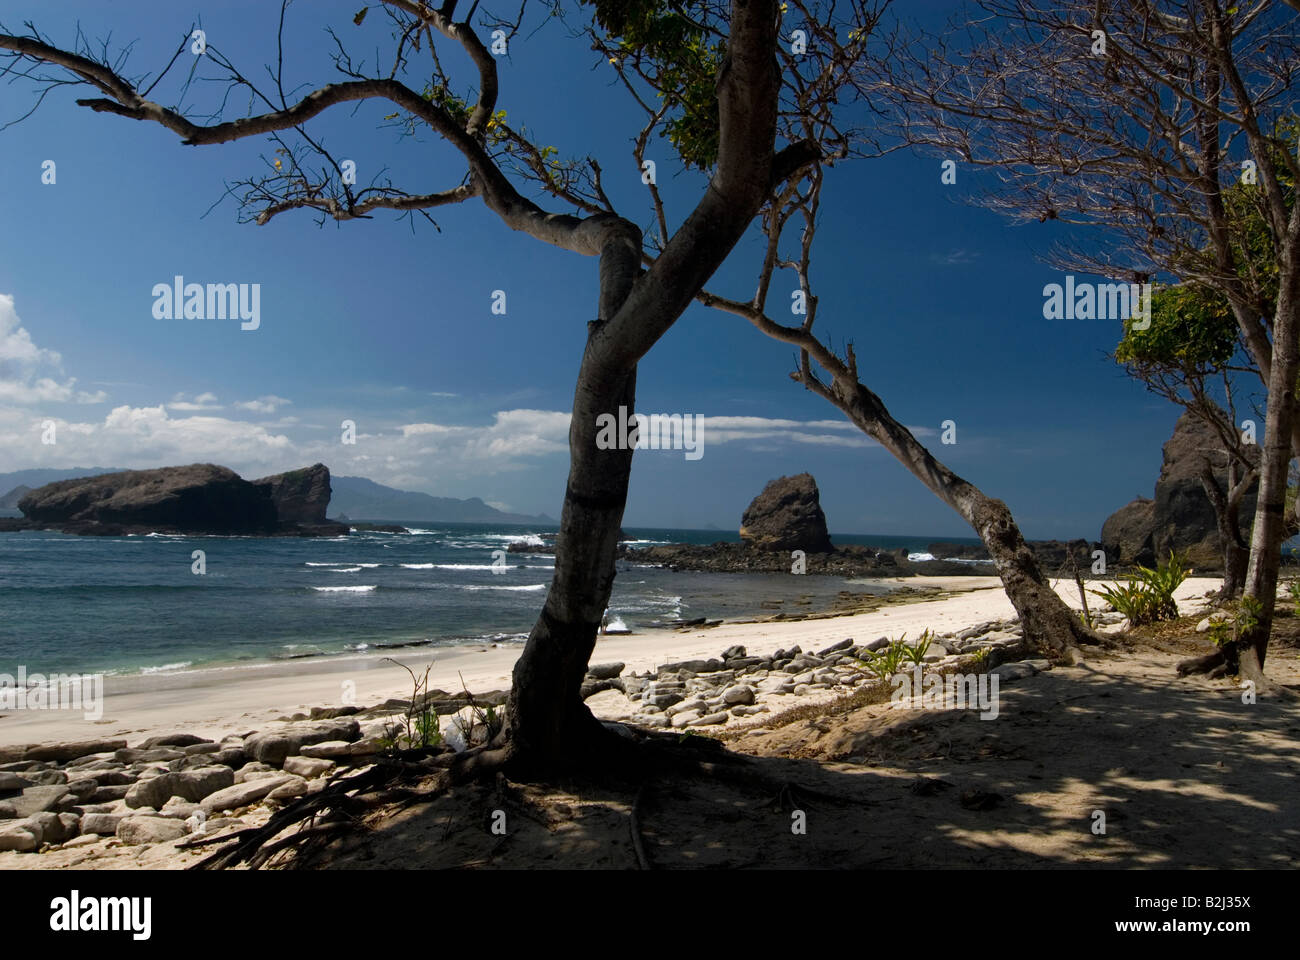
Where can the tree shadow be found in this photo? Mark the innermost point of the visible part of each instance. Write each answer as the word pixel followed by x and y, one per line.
pixel 1115 764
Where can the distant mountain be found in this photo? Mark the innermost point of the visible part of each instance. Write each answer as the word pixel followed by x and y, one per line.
pixel 360 499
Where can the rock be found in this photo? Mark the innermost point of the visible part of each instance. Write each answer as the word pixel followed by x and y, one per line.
pixel 739 695
pixel 85 840
pixel 878 644
pixel 711 719
pixel 104 824
pixel 308 767
pixel 605 671
pixel 173 740
pixel 255 770
pixel 273 746
pixel 733 652
pixel 686 706
pixel 57 827
pixel 1181 516
pixel 299 496
pixel 1126 534
pixel 1010 672
pixel 178 809
pixel 682 719
pixel 787 515
pixel 665 700
pixel 13 753
pixel 137 830
pixel 693 666
pixel 198 498
pixel 201 749
pixel 151 755
pixel 35 800
pixel 242 794
pixel 191 785
pixel 63 752
pixel 328 749
pixel 111 792
pixel 837 647
pixel 288 790
pixel 12 783
pixel 801 688
pixel 331 713
pixel 22 836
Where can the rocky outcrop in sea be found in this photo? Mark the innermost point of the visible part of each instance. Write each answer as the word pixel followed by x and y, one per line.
pixel 201 498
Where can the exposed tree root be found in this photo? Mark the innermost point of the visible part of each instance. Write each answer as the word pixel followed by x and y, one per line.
pixel 1213 665
pixel 639 759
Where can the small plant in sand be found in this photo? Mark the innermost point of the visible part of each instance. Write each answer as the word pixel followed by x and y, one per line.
pixel 915 652
pixel 486 719
pixel 1293 588
pixel 888 660
pixel 1148 595
pixel 1242 616
pixel 420 721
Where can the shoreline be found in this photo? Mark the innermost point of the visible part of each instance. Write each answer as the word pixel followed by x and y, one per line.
pixel 218 702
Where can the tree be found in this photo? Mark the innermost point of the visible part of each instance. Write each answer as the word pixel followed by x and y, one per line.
pixel 1191 343
pixel 1135 119
pixel 721 103
pixel 1047 621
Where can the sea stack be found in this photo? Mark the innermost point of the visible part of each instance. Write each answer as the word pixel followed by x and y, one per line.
pixel 787 515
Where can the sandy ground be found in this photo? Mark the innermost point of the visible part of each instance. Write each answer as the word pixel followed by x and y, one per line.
pixel 213 703
pixel 1113 762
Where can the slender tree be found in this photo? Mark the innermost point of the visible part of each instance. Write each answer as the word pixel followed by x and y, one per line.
pixel 1136 119
pixel 720 90
pixel 1189 353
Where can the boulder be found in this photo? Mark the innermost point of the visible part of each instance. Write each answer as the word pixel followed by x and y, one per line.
pixel 36 800
pixel 23 836
pixel 243 794
pixel 72 750
pixel 308 767
pixel 192 785
pixel 787 515
pixel 104 824
pixel 172 740
pixel 273 746
pixel 137 830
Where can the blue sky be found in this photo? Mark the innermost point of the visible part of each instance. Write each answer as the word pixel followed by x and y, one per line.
pixel 391 326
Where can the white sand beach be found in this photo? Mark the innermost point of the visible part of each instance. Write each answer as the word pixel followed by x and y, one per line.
pixel 214 703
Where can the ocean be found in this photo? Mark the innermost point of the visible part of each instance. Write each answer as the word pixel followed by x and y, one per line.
pixel 134 605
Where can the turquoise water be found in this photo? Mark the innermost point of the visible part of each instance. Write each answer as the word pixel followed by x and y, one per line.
pixel 134 604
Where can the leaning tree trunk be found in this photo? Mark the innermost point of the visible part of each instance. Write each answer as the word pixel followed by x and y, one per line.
pixel 1270 512
pixel 1047 621
pixel 546 719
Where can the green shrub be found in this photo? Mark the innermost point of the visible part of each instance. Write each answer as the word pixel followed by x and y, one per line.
pixel 1148 595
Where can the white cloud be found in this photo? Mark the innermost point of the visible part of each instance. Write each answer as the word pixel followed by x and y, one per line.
pixel 204 401
pixel 268 404
pixel 25 368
